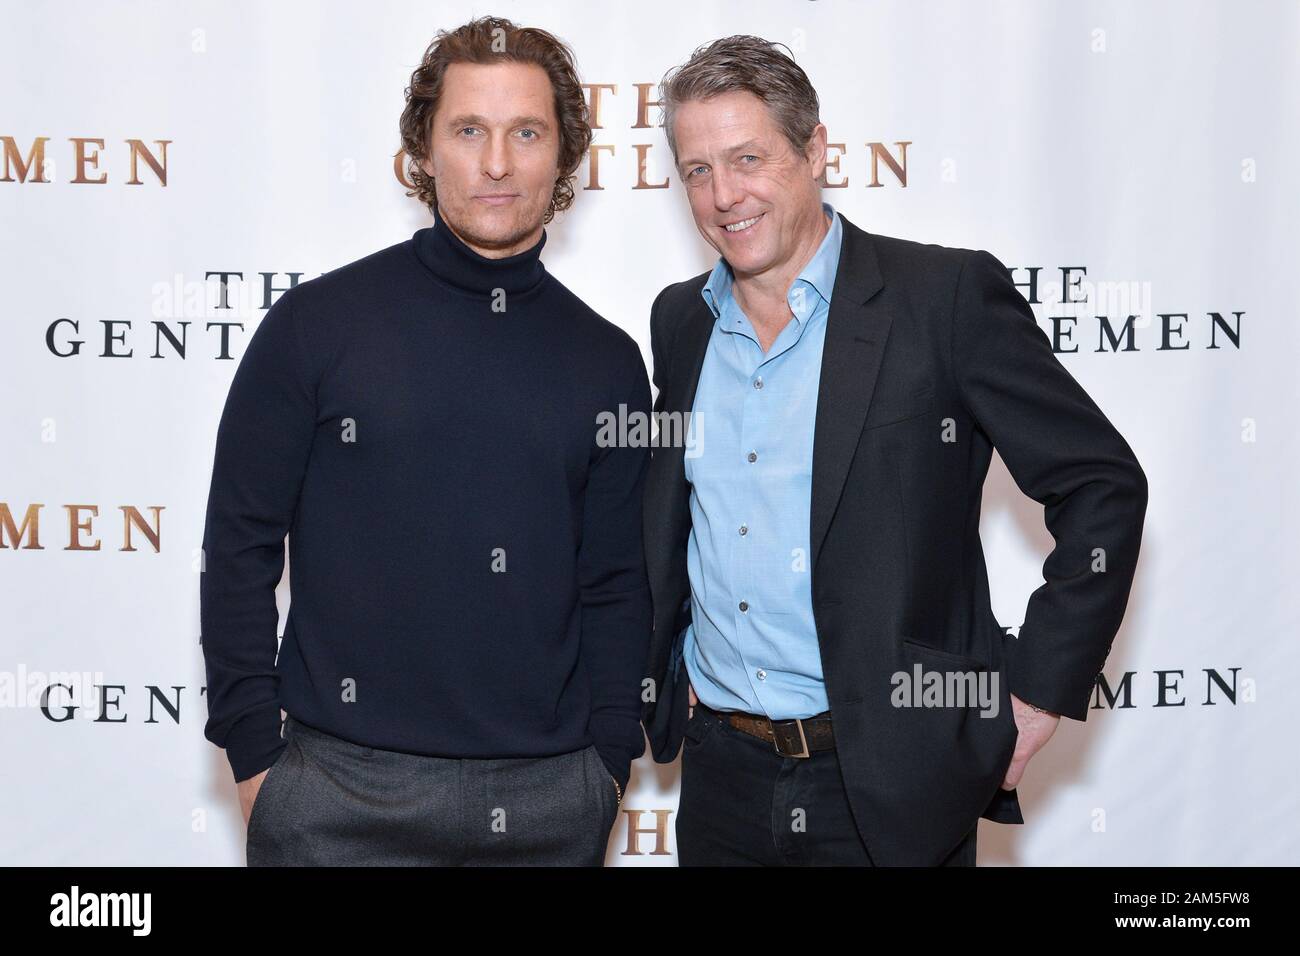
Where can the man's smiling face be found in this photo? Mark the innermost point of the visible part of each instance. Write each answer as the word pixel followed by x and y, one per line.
pixel 754 198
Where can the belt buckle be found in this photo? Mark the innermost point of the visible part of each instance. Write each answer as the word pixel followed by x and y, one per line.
pixel 803 739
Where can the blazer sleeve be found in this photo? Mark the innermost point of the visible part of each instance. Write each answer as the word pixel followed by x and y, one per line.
pixel 658 351
pixel 665 715
pixel 1063 453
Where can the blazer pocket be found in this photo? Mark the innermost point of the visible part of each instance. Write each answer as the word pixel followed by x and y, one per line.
pixel 960 660
pixel 894 410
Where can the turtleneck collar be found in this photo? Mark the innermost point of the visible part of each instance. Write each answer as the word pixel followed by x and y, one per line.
pixel 456 264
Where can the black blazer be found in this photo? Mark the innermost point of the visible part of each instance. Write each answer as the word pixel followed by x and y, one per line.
pixel 932 359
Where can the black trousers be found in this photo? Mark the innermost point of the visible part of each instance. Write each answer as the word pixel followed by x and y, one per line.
pixel 743 804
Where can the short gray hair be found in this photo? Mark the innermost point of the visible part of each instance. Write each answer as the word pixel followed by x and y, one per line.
pixel 745 64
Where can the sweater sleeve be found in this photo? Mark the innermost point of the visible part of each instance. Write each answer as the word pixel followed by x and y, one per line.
pixel 615 594
pixel 263 442
pixel 1062 452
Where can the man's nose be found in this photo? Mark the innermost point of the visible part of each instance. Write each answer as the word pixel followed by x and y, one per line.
pixel 726 191
pixel 496 157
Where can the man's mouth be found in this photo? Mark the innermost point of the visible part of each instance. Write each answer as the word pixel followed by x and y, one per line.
pixel 743 224
pixel 497 199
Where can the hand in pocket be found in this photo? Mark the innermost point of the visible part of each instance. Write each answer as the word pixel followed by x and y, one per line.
pixel 248 790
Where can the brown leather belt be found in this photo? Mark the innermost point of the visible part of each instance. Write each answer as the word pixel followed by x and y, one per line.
pixel 796 737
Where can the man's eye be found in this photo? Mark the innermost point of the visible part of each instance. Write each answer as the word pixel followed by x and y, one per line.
pixel 695 170
pixel 528 133
pixel 749 156
pixel 469 129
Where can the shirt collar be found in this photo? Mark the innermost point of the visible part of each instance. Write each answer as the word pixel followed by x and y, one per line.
pixel 818 273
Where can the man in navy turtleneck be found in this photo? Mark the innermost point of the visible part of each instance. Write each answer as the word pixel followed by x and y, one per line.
pixel 461 661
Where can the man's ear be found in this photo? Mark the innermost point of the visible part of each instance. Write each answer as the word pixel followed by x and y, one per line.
pixel 426 161
pixel 815 151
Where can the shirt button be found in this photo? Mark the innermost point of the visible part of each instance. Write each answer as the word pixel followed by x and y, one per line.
pixel 744 605
pixel 762 674
pixel 752 456
pixel 758 382
pixel 744 529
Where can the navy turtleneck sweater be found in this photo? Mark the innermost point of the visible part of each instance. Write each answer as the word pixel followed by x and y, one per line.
pixel 465 556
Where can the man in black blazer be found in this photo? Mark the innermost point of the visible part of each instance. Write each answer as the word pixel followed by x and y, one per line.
pixel 930 359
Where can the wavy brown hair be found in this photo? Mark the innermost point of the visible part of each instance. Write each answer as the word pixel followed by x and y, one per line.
pixel 489 40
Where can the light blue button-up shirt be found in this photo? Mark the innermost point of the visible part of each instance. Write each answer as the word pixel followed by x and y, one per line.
pixel 752 642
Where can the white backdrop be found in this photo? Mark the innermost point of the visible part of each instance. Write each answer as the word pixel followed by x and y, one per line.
pixel 1153 145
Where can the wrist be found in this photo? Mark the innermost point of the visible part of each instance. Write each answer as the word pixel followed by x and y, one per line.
pixel 1016 698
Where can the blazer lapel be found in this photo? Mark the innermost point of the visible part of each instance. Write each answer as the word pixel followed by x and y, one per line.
pixel 856 331
pixel 694 343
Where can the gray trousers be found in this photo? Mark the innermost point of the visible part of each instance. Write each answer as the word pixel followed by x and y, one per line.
pixel 327 801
